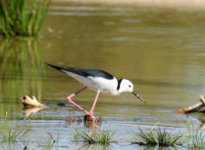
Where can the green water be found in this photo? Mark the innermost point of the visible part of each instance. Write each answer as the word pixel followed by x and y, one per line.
pixel 160 51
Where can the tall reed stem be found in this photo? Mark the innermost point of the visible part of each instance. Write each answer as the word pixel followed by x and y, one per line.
pixel 22 17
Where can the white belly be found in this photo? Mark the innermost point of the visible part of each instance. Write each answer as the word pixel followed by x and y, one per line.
pixel 97 83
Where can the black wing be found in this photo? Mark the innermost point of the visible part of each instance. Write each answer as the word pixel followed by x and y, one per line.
pixel 85 72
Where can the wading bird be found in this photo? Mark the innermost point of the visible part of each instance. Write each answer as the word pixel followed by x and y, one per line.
pixel 99 81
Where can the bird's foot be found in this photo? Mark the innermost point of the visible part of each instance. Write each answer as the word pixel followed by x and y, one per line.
pixel 91 120
pixel 94 121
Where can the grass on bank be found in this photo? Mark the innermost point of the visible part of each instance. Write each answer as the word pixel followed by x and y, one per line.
pixel 22 17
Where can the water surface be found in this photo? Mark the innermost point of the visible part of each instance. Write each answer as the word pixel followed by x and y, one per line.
pixel 160 51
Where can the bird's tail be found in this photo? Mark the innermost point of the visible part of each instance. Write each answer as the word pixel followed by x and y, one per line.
pixel 56 67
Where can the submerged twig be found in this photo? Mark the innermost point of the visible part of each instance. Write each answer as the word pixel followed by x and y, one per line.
pixel 31 102
pixel 31 105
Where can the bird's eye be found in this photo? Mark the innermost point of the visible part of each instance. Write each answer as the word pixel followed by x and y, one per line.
pixel 129 86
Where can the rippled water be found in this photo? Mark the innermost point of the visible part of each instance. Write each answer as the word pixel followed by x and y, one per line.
pixel 161 51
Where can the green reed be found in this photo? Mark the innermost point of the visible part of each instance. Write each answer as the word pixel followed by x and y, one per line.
pixel 198 141
pixel 99 138
pixel 22 17
pixel 13 135
pixel 10 133
pixel 195 136
pixel 158 137
pixel 50 143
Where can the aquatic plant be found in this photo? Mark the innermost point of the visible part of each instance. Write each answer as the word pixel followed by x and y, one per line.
pixel 197 141
pixel 51 142
pixel 195 137
pixel 13 135
pixel 101 138
pixel 22 17
pixel 10 134
pixel 158 136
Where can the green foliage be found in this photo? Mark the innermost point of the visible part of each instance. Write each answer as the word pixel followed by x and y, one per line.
pixel 102 137
pixel 51 142
pixel 22 17
pixel 195 137
pixel 9 134
pixel 198 141
pixel 158 137
pixel 13 135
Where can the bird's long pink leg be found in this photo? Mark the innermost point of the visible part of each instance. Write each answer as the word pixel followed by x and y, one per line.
pixel 69 98
pixel 94 103
pixel 94 120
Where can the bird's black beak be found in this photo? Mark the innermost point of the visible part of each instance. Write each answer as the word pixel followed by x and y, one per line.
pixel 140 98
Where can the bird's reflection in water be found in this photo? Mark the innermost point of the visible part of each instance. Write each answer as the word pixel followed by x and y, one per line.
pixel 70 120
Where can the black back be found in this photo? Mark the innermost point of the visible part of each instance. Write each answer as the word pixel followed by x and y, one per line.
pixel 85 72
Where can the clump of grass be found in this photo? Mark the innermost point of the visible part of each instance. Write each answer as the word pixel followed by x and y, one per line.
pixel 198 141
pixel 158 137
pixel 195 137
pixel 51 142
pixel 101 138
pixel 22 17
pixel 12 135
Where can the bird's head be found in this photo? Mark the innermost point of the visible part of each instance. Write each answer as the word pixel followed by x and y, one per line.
pixel 125 85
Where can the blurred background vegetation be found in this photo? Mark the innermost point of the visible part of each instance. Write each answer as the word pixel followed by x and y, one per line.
pixel 22 17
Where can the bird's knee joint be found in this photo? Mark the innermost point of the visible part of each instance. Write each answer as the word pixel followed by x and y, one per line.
pixel 70 96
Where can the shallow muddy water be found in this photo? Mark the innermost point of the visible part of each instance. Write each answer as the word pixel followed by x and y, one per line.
pixel 161 51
